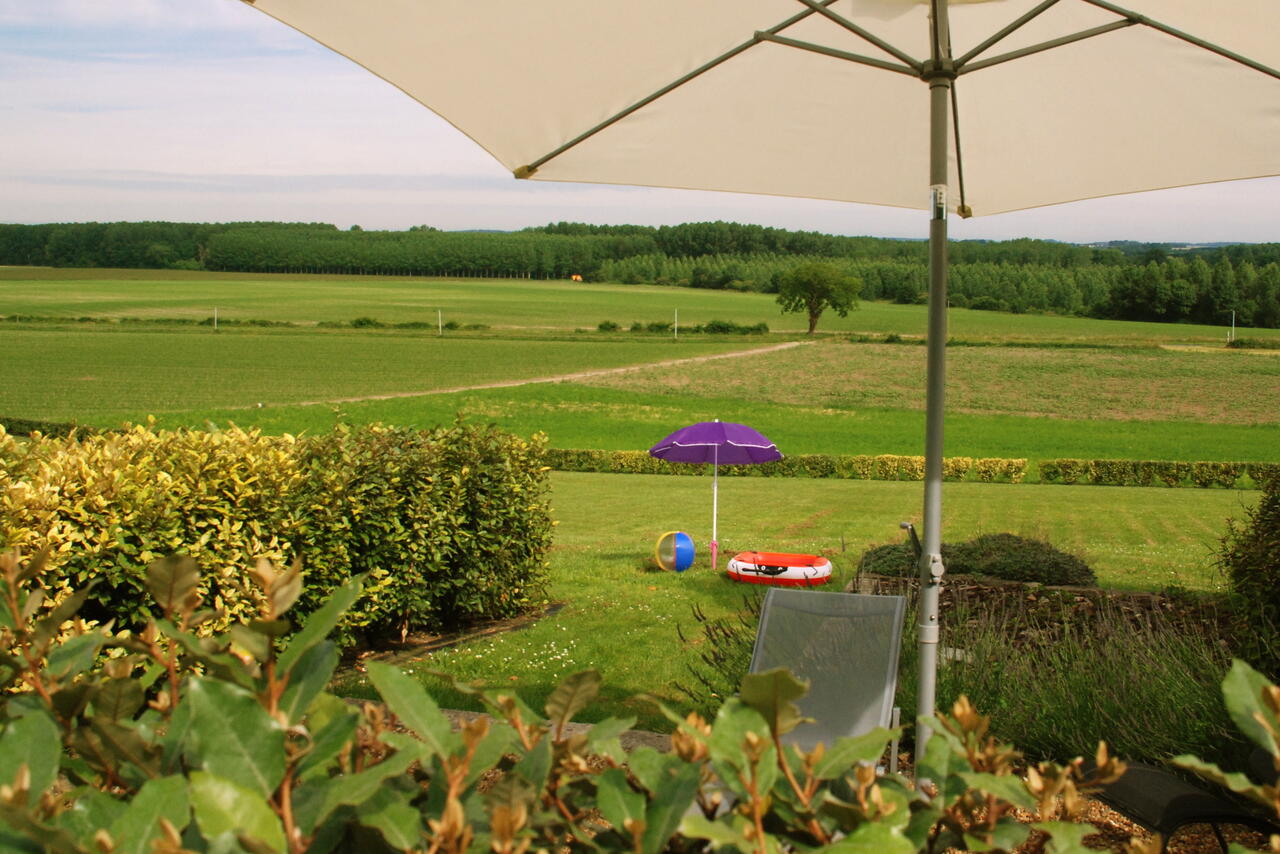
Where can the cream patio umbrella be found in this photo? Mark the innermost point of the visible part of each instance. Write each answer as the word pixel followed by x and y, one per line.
pixel 973 107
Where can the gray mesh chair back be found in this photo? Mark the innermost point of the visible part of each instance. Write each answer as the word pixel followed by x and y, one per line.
pixel 846 645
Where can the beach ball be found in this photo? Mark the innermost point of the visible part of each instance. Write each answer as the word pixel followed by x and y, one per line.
pixel 675 551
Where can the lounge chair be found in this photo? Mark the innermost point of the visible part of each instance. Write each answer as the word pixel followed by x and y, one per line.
pixel 846 645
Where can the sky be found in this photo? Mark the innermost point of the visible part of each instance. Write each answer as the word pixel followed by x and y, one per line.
pixel 209 111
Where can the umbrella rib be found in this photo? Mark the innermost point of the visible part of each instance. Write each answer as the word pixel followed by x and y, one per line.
pixel 964 210
pixel 1043 46
pixel 529 169
pixel 1007 31
pixel 901 55
pixel 1186 37
pixel 911 71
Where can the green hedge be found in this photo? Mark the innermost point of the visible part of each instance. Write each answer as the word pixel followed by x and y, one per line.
pixel 895 467
pixel 1204 475
pixel 861 467
pixel 451 525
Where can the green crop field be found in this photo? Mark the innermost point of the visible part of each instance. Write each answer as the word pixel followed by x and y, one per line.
pixel 1068 387
pixel 306 299
pixel 103 376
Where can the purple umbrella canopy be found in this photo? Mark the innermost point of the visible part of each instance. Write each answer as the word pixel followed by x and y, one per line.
pixel 716 442
pixel 719 443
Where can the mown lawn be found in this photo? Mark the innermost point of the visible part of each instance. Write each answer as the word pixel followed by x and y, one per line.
pixel 620 615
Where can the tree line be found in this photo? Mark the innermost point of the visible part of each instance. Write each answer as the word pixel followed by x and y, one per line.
pixel 1122 280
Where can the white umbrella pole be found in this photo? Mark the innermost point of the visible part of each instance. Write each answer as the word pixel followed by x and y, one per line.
pixel 939 76
pixel 715 502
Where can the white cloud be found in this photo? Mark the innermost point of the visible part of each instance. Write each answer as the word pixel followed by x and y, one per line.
pixel 210 110
pixel 149 14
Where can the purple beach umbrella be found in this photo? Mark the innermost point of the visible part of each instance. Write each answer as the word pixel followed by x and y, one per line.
pixel 719 443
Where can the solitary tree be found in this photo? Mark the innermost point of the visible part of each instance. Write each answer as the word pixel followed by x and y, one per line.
pixel 813 287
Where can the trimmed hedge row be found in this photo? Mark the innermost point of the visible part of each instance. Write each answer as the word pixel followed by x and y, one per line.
pixel 861 467
pixel 895 467
pixel 451 524
pixel 1155 473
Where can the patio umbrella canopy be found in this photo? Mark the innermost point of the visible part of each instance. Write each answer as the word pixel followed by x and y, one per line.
pixel 718 443
pixel 973 106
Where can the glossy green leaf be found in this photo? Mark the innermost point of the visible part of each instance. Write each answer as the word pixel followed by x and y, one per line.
pixel 413 706
pixel 499 742
pixel 328 743
pixel 603 738
pixel 389 812
pixel 223 807
pixel 873 837
pixel 1233 780
pixel 652 768
pixel 734 722
pixel 118 699
pixel 75 655
pixel 1066 837
pixel 233 737
pixel 943 760
pixel 173 582
pixel 256 644
pixel 571 696
pixel 729 831
pixel 31 740
pixel 308 678
pixel 1242 689
pixel 90 810
pixel 173 742
pixel 920 826
pixel 321 623
pixel 139 825
pixel 49 625
pixel 321 796
pixel 536 764
pixel 286 588
pixel 1006 787
pixel 20 834
pixel 665 812
pixel 617 801
pixel 772 694
pixel 1009 833
pixel 849 751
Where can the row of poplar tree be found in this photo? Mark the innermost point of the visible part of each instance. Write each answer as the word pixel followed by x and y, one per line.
pixel 1123 280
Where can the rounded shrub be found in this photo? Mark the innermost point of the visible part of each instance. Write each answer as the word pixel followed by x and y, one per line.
pixel 1004 556
pixel 1249 555
pixel 1014 558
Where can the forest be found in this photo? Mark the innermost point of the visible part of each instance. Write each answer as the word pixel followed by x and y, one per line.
pixel 1121 280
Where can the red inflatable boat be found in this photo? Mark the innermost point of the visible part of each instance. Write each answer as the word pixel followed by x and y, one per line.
pixel 780 569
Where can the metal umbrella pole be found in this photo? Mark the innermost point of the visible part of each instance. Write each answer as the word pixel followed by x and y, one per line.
pixel 715 503
pixel 940 75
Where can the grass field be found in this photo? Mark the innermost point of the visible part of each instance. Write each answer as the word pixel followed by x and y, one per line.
pixel 560 305
pixel 621 615
pixel 103 376
pixel 1128 393
pixel 578 416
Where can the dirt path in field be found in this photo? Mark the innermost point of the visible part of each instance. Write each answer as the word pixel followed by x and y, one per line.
pixel 579 375
pixel 1196 348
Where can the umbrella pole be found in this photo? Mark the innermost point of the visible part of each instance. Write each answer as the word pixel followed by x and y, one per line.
pixel 939 75
pixel 715 502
